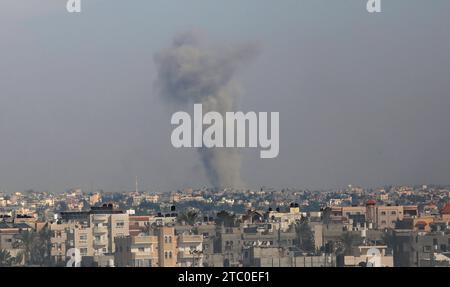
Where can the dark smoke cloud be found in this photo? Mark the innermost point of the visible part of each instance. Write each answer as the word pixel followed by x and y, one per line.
pixel 192 71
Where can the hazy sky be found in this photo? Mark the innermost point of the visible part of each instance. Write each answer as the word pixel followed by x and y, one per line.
pixel 363 99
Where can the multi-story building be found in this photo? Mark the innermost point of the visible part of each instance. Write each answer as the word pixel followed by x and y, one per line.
pixel 167 246
pixel 387 216
pixel 137 251
pixel 161 248
pixel 190 250
pixel 419 249
pixel 91 232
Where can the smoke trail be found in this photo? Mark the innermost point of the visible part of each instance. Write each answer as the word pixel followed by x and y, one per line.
pixel 192 72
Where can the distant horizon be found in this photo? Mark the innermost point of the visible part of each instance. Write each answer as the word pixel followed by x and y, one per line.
pixel 86 98
pixel 243 189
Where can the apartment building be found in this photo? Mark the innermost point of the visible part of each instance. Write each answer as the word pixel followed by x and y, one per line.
pixel 91 232
pixel 285 219
pixel 387 216
pixel 190 250
pixel 106 227
pixel 167 246
pixel 420 249
pixel 137 251
pixel 161 248
pixel 371 216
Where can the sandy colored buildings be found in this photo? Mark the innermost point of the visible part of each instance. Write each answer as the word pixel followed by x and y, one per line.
pixel 91 232
pixel 163 248
pixel 376 256
pixel 137 251
pixel 372 215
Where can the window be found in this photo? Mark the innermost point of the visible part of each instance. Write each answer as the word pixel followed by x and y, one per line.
pixel 383 213
pixel 166 255
pixel 170 239
pixel 427 248
pixel 83 251
pixel 120 224
pixel 83 237
pixel 383 222
pixel 393 212
pixel 170 254
pixel 141 249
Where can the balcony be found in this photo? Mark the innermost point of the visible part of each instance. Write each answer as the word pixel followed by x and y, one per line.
pixel 100 242
pixel 99 217
pixel 100 229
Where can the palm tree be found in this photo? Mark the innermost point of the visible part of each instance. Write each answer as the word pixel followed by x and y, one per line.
pixel 388 238
pixel 305 237
pixel 43 246
pixel 6 260
pixel 189 217
pixel 26 242
pixel 36 246
pixel 227 219
pixel 349 240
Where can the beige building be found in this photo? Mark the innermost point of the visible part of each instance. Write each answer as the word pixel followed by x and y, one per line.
pixel 376 216
pixel 91 232
pixel 106 227
pixel 95 198
pixel 163 248
pixel 375 256
pixel 190 250
pixel 286 219
pixel 167 246
pixel 387 216
pixel 137 251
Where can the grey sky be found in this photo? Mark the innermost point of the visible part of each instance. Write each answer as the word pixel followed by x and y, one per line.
pixel 363 98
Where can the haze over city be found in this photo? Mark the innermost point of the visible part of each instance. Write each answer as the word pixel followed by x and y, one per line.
pixel 362 98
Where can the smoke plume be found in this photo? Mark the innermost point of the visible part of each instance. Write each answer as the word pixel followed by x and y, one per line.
pixel 191 71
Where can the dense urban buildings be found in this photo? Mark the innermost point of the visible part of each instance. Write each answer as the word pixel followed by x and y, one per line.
pixel 393 226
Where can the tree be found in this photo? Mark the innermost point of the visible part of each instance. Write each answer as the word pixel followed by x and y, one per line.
pixel 26 243
pixel 388 238
pixel 189 217
pixel 227 219
pixel 42 247
pixel 36 246
pixel 6 260
pixel 349 240
pixel 305 237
